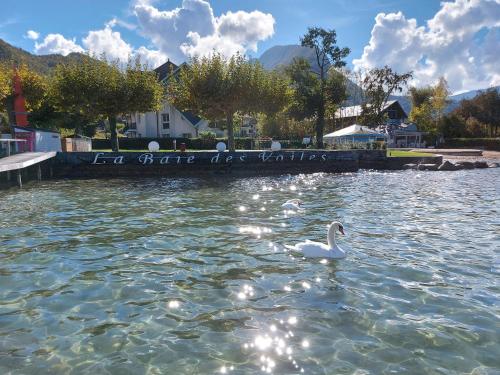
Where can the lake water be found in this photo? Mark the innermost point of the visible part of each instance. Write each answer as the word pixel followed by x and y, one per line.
pixel 160 276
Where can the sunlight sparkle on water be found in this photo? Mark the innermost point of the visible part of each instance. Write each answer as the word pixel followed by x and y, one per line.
pixel 174 304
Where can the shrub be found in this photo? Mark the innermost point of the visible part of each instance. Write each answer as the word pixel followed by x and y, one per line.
pixel 167 143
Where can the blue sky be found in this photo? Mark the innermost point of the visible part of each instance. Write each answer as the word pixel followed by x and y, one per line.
pixel 452 39
pixel 352 19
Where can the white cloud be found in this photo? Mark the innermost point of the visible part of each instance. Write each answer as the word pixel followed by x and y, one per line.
pixel 108 42
pixel 193 29
pixel 56 43
pixel 189 30
pixel 116 21
pixel 461 43
pixel 151 57
pixel 31 34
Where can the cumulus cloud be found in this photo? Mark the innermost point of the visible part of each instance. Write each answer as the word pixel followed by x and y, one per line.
pixel 461 43
pixel 189 30
pixel 150 57
pixel 193 29
pixel 31 34
pixel 107 42
pixel 56 43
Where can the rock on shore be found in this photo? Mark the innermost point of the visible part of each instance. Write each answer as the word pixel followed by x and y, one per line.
pixel 449 166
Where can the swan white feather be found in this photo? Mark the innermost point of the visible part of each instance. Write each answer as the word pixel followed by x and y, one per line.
pixel 292 204
pixel 312 249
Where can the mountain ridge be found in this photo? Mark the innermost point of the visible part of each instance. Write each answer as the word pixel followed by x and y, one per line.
pixel 42 64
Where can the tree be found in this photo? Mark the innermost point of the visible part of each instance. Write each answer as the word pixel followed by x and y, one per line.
pixel 440 99
pixel 379 84
pixel 311 97
pixel 420 95
pixel 428 105
pixel 94 89
pixel 34 88
pixel 217 88
pixel 328 55
pixel 484 108
pixel 5 81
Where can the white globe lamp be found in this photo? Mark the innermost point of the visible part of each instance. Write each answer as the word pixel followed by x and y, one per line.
pixel 221 147
pixel 153 146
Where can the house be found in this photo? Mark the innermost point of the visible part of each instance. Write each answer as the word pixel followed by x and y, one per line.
pixel 168 122
pixel 403 135
pixel 248 127
pixel 346 116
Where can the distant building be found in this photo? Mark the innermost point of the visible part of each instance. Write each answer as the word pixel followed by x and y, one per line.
pixel 168 122
pixel 403 135
pixel 248 127
pixel 398 133
pixel 346 116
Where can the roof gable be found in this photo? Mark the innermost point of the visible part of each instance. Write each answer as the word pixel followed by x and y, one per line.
pixel 165 70
pixel 356 110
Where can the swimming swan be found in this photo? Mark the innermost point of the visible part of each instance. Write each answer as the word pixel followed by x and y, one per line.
pixel 311 249
pixel 292 204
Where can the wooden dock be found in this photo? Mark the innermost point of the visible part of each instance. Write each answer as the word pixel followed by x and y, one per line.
pixel 26 159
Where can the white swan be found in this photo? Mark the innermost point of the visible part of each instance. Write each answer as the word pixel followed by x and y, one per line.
pixel 292 204
pixel 311 249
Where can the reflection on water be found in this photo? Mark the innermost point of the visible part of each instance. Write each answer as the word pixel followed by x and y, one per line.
pixel 192 276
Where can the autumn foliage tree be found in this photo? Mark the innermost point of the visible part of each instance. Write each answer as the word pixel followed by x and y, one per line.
pixel 217 88
pixel 34 88
pixel 98 89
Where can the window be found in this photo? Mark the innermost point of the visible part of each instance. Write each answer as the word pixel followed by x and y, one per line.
pixel 186 135
pixel 132 126
pixel 165 120
pixel 165 135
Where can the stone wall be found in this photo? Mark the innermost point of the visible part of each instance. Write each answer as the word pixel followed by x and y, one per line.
pixel 109 164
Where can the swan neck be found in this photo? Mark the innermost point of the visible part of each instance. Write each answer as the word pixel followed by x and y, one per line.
pixel 331 237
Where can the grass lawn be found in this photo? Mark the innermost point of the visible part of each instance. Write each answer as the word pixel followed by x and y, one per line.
pixel 402 153
pixel 121 150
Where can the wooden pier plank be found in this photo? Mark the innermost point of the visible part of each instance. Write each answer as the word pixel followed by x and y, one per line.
pixel 23 160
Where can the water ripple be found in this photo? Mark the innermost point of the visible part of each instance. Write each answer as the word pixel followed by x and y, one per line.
pixel 160 276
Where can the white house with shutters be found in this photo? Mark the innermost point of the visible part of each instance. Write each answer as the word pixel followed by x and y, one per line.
pixel 168 122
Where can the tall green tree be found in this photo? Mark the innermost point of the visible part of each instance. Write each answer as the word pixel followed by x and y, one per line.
pixel 312 97
pixel 217 88
pixel 96 89
pixel 379 84
pixel 328 55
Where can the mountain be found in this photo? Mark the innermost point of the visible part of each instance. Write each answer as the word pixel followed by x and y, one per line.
pixel 278 56
pixel 454 99
pixel 42 64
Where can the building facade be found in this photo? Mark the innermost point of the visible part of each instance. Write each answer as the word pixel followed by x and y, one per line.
pixel 168 122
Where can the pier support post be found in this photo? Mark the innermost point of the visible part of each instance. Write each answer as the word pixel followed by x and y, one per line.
pixel 39 172
pixel 19 179
pixel 8 154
